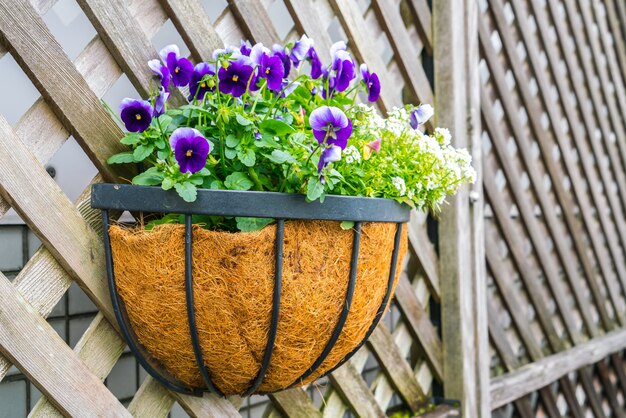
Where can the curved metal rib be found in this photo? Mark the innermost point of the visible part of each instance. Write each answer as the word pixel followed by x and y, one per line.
pixel 271 337
pixel 383 305
pixel 356 241
pixel 191 310
pixel 122 319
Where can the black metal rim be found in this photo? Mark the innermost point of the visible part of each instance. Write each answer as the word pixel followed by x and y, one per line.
pixel 233 203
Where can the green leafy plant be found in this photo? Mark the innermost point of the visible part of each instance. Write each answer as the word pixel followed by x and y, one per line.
pixel 255 120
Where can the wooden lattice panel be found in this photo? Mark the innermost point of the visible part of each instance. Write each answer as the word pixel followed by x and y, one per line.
pixel 393 37
pixel 552 76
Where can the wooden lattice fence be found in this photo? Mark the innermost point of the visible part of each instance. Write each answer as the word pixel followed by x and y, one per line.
pixel 533 275
pixel 408 351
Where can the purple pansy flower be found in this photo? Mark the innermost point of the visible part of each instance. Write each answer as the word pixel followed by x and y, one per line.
pixel 344 70
pixel 180 67
pixel 420 115
pixel 234 79
pixel 136 114
pixel 271 68
pixel 316 64
pixel 257 52
pixel 162 72
pixel 245 48
pixel 197 86
pixel 279 51
pixel 159 102
pixel 190 149
pixel 329 155
pixel 330 126
pixel 300 50
pixel 372 83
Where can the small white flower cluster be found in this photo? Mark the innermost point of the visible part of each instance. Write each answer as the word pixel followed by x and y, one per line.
pixel 370 123
pixel 443 136
pixel 399 184
pixel 397 122
pixel 352 155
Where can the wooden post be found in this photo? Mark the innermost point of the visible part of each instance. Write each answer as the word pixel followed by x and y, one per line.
pixel 461 232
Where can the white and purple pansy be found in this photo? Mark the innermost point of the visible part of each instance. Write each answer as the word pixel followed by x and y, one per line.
pixel 330 126
pixel 190 149
pixel 180 68
pixel 420 115
pixel 372 83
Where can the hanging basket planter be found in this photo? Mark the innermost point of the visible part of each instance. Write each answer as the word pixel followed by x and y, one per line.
pixel 249 312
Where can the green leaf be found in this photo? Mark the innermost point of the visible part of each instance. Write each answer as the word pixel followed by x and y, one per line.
pixel 276 127
pixel 150 177
pixel 242 120
pixel 232 141
pixel 187 191
pixel 247 157
pixel 314 189
pixel 217 185
pixel 230 153
pixel 238 181
pixel 142 152
pixel 131 139
pixel 167 183
pixel 252 224
pixel 346 225
pixel 164 121
pixel 162 154
pixel 170 218
pixel 122 158
pixel 280 156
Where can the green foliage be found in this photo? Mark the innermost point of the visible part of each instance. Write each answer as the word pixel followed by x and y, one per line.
pixel 264 142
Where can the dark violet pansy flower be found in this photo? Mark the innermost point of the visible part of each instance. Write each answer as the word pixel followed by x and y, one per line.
pixel 180 67
pixel 136 114
pixel 330 126
pixel 279 51
pixel 271 68
pixel 197 86
pixel 344 70
pixel 329 155
pixel 300 50
pixel 190 149
pixel 316 64
pixel 245 48
pixel 372 83
pixel 420 115
pixel 234 79
pixel 162 72
pixel 159 102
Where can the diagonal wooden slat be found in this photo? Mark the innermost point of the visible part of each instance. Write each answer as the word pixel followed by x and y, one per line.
pixel 407 56
pixel 52 217
pixel 151 400
pixel 38 351
pixel 354 390
pixel 98 355
pixel 307 20
pixel 124 39
pixel 420 326
pixel 425 253
pixel 66 91
pixel 194 27
pixel 295 403
pixel 396 368
pixel 422 15
pixel 254 21
pixel 361 43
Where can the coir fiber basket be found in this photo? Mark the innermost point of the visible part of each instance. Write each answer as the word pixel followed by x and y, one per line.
pixel 256 312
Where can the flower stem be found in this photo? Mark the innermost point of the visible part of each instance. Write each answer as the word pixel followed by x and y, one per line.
pixel 255 179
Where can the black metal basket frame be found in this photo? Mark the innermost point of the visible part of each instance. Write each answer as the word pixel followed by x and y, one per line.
pixel 279 206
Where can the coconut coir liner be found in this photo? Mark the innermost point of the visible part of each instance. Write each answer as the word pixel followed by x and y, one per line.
pixel 233 277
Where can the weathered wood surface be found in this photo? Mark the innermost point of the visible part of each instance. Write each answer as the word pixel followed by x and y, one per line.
pixel 354 390
pixel 38 351
pixel 464 323
pixel 66 91
pixel 531 377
